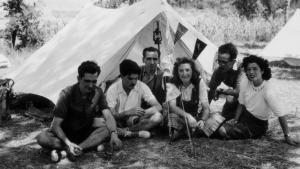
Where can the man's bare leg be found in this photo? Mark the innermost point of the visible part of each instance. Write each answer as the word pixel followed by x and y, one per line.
pixel 95 138
pixel 148 123
pixel 47 139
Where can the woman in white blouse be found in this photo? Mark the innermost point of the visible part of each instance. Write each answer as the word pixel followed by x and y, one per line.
pixel 257 103
pixel 192 103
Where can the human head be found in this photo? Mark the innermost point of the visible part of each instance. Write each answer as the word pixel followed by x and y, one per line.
pixel 151 49
pixel 88 73
pixel 194 79
pixel 263 64
pixel 227 54
pixel 151 58
pixel 129 71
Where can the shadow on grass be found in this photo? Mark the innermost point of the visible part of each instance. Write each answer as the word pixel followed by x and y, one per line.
pixel 152 153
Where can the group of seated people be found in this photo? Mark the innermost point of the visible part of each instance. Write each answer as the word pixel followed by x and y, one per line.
pixel 139 102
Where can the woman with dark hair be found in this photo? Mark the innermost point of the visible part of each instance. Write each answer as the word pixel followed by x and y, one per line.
pixel 257 101
pixel 192 103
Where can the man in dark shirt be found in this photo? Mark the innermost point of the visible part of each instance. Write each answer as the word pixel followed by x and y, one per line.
pixel 77 125
pixel 152 75
pixel 225 73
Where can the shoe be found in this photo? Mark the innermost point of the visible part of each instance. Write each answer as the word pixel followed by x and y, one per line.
pixel 143 134
pixel 63 154
pixel 55 156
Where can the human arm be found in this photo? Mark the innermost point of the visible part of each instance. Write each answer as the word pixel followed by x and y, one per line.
pixel 112 127
pixel 285 130
pixel 213 84
pixel 56 127
pixel 237 115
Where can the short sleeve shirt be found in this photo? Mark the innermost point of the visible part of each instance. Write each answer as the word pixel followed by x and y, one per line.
pixel 260 101
pixel 119 101
pixel 76 110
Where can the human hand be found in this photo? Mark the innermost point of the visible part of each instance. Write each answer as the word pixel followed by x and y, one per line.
pixel 200 124
pixel 115 141
pixel 137 111
pixel 191 121
pixel 74 149
pixel 217 93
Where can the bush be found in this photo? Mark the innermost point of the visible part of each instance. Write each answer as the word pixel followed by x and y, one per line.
pixel 246 8
pixel 24 25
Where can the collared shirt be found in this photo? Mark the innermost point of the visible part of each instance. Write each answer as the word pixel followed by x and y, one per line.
pixel 76 110
pixel 119 101
pixel 260 101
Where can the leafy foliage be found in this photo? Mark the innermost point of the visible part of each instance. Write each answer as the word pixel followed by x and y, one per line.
pixel 247 8
pixel 23 24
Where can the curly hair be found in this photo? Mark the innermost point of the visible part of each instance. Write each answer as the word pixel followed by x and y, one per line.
pixel 195 79
pixel 88 67
pixel 262 63
pixel 230 49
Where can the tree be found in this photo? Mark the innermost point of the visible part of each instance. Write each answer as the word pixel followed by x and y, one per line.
pixel 23 24
pixel 246 8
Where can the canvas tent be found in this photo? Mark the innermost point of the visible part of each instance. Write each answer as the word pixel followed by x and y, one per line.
pixel 286 44
pixel 106 36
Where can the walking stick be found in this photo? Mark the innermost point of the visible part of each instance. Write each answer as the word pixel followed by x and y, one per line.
pixel 187 128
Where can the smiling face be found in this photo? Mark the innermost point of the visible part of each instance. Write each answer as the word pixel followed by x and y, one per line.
pixel 88 82
pixel 151 60
pixel 254 73
pixel 185 73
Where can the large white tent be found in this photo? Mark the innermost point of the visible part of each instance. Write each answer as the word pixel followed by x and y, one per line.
pixel 106 36
pixel 286 44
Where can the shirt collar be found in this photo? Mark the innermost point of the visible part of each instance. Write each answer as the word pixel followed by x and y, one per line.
pixel 120 88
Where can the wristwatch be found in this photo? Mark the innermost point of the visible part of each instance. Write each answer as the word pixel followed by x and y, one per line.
pixel 114 131
pixel 286 135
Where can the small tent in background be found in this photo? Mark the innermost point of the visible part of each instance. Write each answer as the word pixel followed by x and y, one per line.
pixel 286 44
pixel 108 36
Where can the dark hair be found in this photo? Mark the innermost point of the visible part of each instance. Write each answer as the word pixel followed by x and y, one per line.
pixel 128 67
pixel 88 67
pixel 262 63
pixel 230 49
pixel 195 73
pixel 150 49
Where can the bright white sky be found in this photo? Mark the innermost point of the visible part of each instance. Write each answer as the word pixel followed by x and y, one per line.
pixel 66 5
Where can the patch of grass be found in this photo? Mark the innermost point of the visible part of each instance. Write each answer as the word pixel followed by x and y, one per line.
pixel 231 28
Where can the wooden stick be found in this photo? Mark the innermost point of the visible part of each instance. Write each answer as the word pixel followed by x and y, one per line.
pixel 187 127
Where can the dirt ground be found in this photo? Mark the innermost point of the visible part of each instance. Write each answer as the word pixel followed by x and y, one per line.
pixel 19 150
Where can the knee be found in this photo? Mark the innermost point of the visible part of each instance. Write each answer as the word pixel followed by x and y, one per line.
pixel 156 118
pixel 42 138
pixel 46 141
pixel 222 132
